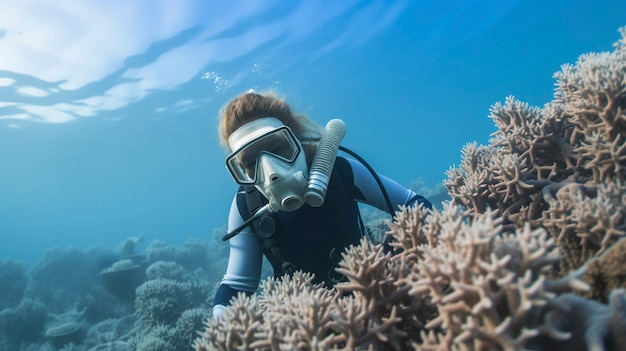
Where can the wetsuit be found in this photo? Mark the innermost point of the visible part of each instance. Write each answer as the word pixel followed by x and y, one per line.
pixel 306 237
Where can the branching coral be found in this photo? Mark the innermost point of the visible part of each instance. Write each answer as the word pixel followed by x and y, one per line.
pixel 488 286
pixel 454 283
pixel 561 166
pixel 291 314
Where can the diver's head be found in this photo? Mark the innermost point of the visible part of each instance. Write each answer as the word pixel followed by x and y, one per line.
pixel 267 150
pixel 267 154
pixel 252 105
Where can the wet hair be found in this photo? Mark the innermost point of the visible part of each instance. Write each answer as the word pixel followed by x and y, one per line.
pixel 250 106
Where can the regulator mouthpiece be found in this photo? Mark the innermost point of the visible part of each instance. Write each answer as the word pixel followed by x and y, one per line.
pixel 323 163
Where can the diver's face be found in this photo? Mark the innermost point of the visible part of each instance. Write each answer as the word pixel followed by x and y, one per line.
pixel 274 145
pixel 277 145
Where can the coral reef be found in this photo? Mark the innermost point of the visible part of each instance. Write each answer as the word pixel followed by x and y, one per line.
pixel 528 255
pixel 69 303
pixel 451 284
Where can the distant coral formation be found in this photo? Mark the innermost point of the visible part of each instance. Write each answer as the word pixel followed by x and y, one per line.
pixel 528 255
pixel 13 278
pixel 70 299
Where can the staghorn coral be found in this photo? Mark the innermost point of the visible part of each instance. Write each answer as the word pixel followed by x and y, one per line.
pixel 290 313
pixel 536 216
pixel 586 220
pixel 455 282
pixel 562 166
pixel 488 286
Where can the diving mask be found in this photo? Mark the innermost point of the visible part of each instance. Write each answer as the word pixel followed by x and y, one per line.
pixel 268 155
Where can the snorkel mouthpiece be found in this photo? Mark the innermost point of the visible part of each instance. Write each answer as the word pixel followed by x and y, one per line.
pixel 288 194
pixel 323 163
pixel 291 202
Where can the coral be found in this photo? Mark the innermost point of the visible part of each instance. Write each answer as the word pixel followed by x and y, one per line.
pixel 72 347
pixel 128 247
pixel 65 333
pixel 162 301
pixel 122 278
pixel 561 166
pixel 528 255
pixel 455 280
pixel 72 282
pixel 488 286
pixel 588 324
pixel 37 347
pixel 98 305
pixel 13 278
pixel 152 343
pixel 111 334
pixel 189 322
pixel 22 324
pixel 167 270
pixel 157 338
pixel 63 275
pixel 607 272
pixel 192 255
pixel 278 318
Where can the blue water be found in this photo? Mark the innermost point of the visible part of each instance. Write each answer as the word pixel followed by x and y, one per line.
pixel 108 110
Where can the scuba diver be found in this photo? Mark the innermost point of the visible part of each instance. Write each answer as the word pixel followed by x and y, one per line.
pixel 297 202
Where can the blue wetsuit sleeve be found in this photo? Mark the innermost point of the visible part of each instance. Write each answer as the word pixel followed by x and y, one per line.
pixel 225 293
pixel 244 261
pixel 419 199
pixel 369 192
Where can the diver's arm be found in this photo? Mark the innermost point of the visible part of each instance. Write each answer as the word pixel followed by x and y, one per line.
pixel 369 192
pixel 244 263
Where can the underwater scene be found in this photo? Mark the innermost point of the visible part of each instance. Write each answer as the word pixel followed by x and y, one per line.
pixel 508 116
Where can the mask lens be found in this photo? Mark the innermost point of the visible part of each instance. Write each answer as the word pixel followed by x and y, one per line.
pixel 279 143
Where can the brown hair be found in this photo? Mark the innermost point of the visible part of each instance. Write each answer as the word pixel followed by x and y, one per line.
pixel 250 106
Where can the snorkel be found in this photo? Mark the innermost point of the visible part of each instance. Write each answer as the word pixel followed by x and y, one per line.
pixel 323 162
pixel 319 175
